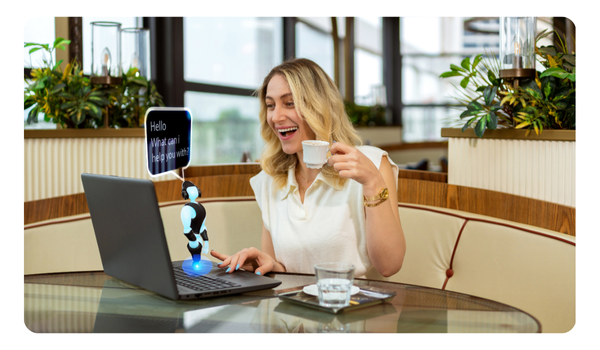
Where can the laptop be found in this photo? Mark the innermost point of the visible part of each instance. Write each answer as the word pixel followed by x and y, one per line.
pixel 133 247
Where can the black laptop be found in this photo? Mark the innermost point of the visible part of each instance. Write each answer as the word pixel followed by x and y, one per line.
pixel 133 247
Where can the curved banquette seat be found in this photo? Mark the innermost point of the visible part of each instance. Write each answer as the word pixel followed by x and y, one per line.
pixel 527 267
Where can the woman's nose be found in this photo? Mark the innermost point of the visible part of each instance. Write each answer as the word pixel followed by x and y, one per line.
pixel 278 114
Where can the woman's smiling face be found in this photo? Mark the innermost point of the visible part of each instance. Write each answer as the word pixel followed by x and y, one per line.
pixel 283 117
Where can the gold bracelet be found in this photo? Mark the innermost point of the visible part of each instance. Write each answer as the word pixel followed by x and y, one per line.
pixel 382 197
pixel 375 204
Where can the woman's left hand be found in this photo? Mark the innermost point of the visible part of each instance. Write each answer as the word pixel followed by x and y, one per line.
pixel 351 163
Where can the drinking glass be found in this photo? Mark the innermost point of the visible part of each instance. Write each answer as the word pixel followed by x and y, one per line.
pixel 334 282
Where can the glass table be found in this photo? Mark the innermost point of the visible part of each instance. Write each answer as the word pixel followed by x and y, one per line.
pixel 87 302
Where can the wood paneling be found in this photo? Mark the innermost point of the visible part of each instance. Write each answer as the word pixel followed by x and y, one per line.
pixel 229 169
pixel 210 186
pixel 500 205
pixel 422 192
pixel 413 145
pixel 512 134
pixel 423 175
pixel 166 191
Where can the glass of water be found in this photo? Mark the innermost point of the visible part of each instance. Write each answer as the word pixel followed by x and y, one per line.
pixel 334 282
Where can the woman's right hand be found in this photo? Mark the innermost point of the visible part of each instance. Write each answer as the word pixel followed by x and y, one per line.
pixel 249 259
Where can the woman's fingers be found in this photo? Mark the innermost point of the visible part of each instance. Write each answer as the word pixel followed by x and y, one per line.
pixel 246 259
pixel 218 255
pixel 266 265
pixel 224 258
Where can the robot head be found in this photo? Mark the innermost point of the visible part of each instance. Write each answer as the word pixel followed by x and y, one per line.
pixel 184 189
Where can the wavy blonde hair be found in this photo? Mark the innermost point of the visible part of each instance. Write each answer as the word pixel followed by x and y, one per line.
pixel 318 101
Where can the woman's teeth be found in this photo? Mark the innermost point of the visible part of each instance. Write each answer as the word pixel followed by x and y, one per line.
pixel 284 132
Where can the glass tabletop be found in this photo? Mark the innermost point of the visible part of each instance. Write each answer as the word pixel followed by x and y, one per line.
pixel 95 302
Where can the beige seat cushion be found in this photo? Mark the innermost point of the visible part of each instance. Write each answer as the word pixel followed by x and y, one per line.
pixel 430 237
pixel 531 270
pixel 69 244
pixel 64 245
pixel 232 225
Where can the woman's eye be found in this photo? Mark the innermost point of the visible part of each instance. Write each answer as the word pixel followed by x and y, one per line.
pixel 290 104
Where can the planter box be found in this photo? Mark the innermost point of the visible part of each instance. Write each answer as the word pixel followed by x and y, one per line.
pixel 55 159
pixel 540 167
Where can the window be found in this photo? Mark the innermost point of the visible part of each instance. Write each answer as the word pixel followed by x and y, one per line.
pixel 230 56
pixel 368 62
pixel 313 41
pixel 428 47
pixel 232 51
pixel 38 30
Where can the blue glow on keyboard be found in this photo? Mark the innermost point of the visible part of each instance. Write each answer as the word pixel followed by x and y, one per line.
pixel 199 268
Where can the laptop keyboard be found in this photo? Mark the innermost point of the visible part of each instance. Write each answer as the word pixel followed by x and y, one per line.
pixel 201 283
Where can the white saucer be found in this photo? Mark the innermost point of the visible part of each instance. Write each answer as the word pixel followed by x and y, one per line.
pixel 312 290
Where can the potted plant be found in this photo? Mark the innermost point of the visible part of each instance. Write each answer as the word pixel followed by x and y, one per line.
pixel 67 98
pixel 546 102
pixel 496 149
pixel 64 97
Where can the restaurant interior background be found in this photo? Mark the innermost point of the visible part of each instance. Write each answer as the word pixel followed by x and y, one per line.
pixel 212 65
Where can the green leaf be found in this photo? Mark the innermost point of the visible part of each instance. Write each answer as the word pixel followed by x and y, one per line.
pixel 140 81
pixel 464 82
pixel 57 64
pixel 481 88
pixel 67 105
pixel 96 112
pixel 457 68
pixel 548 50
pixel 474 106
pixel 492 121
pixel 32 44
pixel 554 72
pixel 571 77
pixel 34 50
pixel 28 103
pixel 59 42
pixel 32 116
pixel 466 64
pixel 488 94
pixel 492 78
pixel 40 85
pixel 100 101
pixel 57 88
pixel 480 127
pixel 496 107
pixel 476 61
pixel 467 124
pixel 450 74
pixel 468 113
pixel 569 58
pixel 534 93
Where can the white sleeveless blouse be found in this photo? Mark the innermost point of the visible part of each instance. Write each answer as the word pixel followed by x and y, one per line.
pixel 328 226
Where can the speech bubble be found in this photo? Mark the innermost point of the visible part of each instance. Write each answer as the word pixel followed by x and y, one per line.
pixel 168 139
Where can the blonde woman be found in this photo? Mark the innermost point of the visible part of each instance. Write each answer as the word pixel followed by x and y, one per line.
pixel 336 213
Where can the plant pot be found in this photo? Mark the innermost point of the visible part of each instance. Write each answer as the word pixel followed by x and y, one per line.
pixel 505 160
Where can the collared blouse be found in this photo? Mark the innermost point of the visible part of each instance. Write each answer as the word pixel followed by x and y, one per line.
pixel 328 226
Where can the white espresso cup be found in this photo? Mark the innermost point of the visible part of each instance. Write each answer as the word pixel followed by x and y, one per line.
pixel 315 153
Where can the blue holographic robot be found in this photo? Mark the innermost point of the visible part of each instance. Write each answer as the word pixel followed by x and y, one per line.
pixel 193 217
